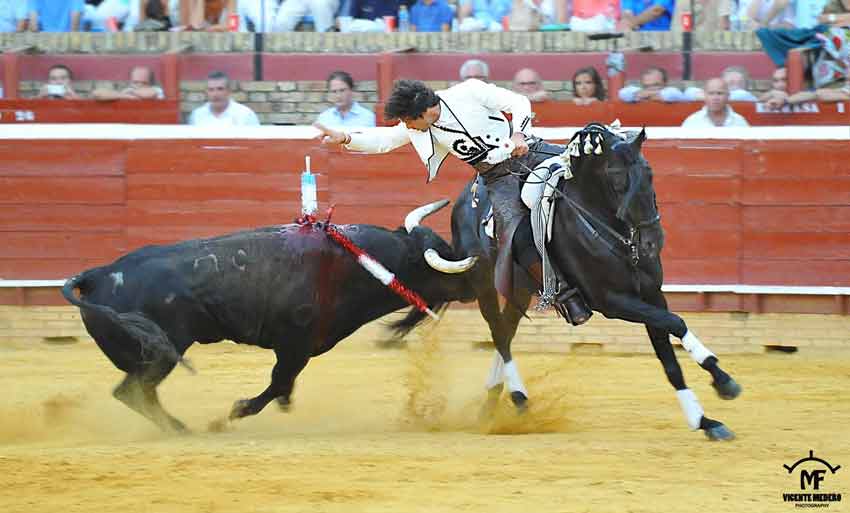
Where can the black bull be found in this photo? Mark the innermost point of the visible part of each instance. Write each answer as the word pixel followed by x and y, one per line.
pixel 286 288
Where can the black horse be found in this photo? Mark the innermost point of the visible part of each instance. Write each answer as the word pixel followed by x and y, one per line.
pixel 606 237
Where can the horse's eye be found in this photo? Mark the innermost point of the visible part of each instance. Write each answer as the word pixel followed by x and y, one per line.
pixel 619 180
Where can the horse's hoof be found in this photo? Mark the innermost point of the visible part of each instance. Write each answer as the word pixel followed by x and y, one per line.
pixel 284 404
pixel 719 432
pixel 239 409
pixel 729 390
pixel 520 401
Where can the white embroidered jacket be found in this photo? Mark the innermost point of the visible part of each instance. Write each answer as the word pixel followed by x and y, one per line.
pixel 471 125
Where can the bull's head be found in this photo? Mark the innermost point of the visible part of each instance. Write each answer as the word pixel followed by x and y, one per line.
pixel 432 256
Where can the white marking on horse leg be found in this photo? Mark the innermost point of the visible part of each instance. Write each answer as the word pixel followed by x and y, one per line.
pixel 512 378
pixel 695 348
pixel 497 372
pixel 117 280
pixel 690 407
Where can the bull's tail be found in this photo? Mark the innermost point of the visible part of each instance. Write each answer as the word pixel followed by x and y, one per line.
pixel 414 317
pixel 152 339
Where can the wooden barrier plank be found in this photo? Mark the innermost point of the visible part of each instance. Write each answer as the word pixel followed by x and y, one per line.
pixel 35 158
pixel 223 186
pixel 82 190
pixel 700 270
pixel 813 273
pixel 792 191
pixel 61 245
pixel 790 219
pixel 681 242
pixel 697 189
pixel 160 112
pixel 236 214
pixel 712 217
pixel 797 159
pixel 50 217
pixel 189 156
pixel 51 269
pixel 693 158
pixel 799 245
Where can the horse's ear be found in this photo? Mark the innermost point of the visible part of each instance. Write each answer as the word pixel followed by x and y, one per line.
pixel 638 141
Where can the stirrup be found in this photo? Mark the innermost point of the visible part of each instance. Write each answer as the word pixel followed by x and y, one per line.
pixel 572 307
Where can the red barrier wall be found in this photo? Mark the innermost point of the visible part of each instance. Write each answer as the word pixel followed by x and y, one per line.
pixel 752 212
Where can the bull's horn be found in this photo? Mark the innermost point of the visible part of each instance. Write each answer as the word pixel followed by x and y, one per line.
pixel 439 263
pixel 416 215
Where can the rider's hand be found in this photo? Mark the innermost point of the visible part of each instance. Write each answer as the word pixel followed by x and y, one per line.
pixel 520 146
pixel 329 136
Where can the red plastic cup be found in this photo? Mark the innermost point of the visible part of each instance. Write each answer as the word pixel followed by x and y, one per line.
pixel 233 22
pixel 687 21
pixel 506 23
pixel 112 24
pixel 389 22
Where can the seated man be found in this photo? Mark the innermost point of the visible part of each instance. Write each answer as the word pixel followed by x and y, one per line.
pixel 595 15
pixel 291 12
pixel 220 109
pixel 55 16
pixel 474 68
pixel 646 15
pixel 717 111
pixel 368 15
pixel 346 113
pixel 777 97
pixel 59 84
pixel 527 83
pixel 142 87
pixel 737 79
pixel 13 16
pixel 483 15
pixel 653 87
pixel 431 16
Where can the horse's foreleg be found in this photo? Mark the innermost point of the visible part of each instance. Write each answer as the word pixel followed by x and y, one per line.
pixel 659 323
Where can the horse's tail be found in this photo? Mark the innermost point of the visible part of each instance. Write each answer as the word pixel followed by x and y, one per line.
pixel 152 340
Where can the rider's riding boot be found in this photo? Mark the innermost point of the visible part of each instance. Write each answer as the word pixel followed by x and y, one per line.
pixel 568 303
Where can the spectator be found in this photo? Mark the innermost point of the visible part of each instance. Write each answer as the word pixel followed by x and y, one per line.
pixel 527 83
pixel 530 15
pixel 595 15
pixel 220 109
pixel 755 14
pixel 738 80
pixel 431 16
pixel 256 17
pixel 323 12
pixel 97 17
pixel 653 87
pixel 55 16
pixel 483 15
pixel 13 15
pixel 778 94
pixel 157 18
pixel 368 15
pixel 646 15
pixel 717 111
pixel 823 94
pixel 474 68
pixel 714 15
pixel 587 86
pixel 59 84
pixel 346 113
pixel 142 87
pixel 836 12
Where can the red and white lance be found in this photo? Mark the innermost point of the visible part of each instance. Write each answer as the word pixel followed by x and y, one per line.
pixel 381 273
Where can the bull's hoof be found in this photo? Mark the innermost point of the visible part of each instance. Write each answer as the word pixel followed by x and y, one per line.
pixel 241 408
pixel 285 404
pixel 729 390
pixel 719 432
pixel 520 401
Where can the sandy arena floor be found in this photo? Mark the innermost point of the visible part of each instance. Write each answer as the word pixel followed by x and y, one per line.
pixel 377 430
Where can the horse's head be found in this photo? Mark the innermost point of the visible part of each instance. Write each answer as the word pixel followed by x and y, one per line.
pixel 626 177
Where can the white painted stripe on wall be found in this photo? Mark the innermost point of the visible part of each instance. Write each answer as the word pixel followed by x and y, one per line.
pixel 132 132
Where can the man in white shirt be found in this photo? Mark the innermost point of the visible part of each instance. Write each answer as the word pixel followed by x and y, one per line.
pixel 142 87
pixel 468 121
pixel 346 112
pixel 717 111
pixel 220 109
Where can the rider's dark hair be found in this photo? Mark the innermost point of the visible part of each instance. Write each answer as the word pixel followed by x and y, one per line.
pixel 342 76
pixel 409 100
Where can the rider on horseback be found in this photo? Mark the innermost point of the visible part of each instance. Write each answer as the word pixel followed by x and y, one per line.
pixel 467 121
